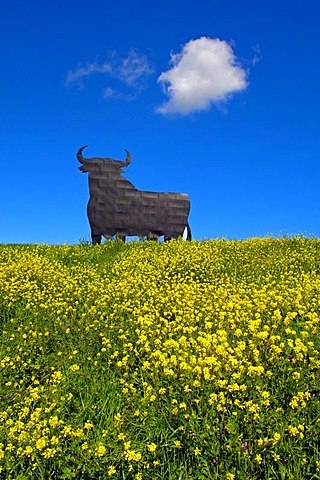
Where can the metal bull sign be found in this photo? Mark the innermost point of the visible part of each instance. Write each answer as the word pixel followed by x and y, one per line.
pixel 117 207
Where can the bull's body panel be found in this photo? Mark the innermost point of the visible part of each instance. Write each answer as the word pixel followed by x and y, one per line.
pixel 140 214
pixel 117 207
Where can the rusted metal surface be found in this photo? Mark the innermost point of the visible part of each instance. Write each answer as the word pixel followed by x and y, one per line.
pixel 117 207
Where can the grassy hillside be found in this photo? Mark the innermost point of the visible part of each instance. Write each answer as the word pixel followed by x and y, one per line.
pixel 184 360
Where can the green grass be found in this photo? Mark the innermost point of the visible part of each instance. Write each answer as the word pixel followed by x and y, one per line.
pixel 185 360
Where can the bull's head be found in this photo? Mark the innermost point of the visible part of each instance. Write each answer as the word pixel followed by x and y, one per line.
pixel 95 162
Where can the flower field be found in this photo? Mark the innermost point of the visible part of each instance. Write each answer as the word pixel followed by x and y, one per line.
pixel 174 361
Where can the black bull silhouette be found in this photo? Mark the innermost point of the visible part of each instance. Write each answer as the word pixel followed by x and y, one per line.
pixel 117 207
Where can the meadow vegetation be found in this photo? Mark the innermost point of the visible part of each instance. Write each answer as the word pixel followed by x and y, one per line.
pixel 139 361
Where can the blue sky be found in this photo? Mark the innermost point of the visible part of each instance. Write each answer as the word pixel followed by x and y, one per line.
pixel 216 99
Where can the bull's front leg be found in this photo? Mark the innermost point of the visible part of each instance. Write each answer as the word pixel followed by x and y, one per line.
pixel 96 239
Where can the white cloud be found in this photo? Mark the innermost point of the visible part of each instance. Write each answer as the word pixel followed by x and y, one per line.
pixel 204 73
pixel 257 54
pixel 76 76
pixel 132 70
pixel 110 92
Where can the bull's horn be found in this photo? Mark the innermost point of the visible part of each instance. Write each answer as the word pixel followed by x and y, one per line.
pixel 79 154
pixel 126 162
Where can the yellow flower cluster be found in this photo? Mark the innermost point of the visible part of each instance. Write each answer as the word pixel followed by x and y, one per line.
pixel 145 360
